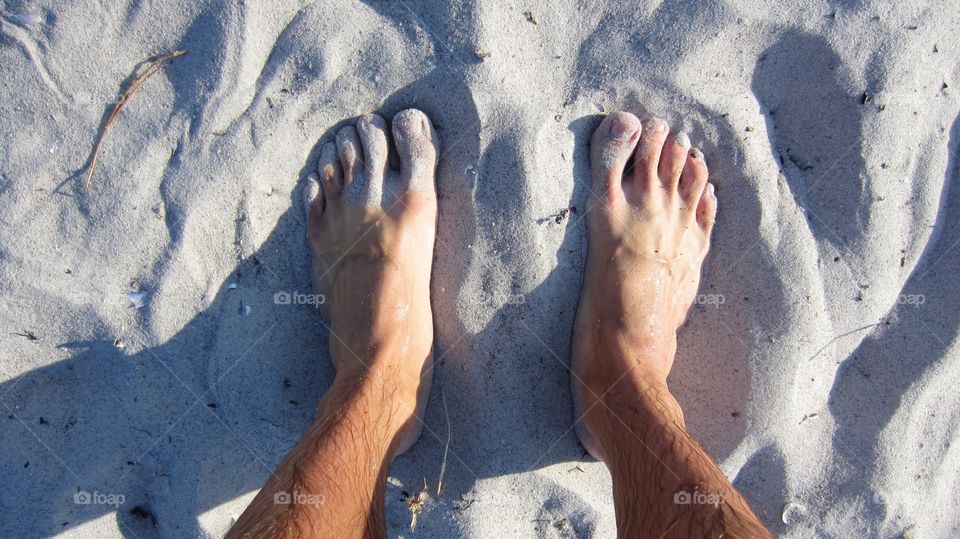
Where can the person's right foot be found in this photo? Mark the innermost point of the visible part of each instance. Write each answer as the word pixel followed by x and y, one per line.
pixel 649 231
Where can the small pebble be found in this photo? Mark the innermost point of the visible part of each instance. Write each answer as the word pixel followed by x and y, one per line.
pixel 25 19
pixel 137 299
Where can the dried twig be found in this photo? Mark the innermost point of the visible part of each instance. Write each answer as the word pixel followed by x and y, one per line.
pixel 30 335
pixel 446 448
pixel 415 503
pixel 150 71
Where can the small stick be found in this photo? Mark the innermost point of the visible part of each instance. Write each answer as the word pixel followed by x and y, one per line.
pixel 134 86
pixel 446 448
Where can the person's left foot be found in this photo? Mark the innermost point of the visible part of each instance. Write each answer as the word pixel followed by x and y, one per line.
pixel 648 236
pixel 372 230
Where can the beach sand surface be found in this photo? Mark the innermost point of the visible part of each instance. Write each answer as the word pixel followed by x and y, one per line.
pixel 153 375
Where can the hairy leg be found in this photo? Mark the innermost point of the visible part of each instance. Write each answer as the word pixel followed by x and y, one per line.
pixel 648 236
pixel 332 482
pixel 371 231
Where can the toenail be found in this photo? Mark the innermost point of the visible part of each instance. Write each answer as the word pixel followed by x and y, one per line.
pixel 696 154
pixel 710 189
pixel 329 172
pixel 411 122
pixel 683 139
pixel 622 130
pixel 372 120
pixel 655 125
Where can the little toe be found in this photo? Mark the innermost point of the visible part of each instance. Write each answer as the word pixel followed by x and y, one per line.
pixel 693 180
pixel 611 146
pixel 313 202
pixel 351 156
pixel 315 207
pixel 707 209
pixel 417 144
pixel 330 172
pixel 373 137
pixel 673 158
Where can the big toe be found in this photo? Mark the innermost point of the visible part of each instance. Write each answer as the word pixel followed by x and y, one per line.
pixel 417 144
pixel 611 145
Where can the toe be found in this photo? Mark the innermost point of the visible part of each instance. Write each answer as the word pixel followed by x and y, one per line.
pixel 373 137
pixel 673 158
pixel 350 153
pixel 417 144
pixel 707 209
pixel 330 172
pixel 611 146
pixel 693 180
pixel 647 157
pixel 313 204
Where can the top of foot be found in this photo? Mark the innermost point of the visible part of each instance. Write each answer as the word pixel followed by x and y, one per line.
pixel 655 211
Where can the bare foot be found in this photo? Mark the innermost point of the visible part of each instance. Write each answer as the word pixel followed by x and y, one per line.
pixel 372 230
pixel 649 231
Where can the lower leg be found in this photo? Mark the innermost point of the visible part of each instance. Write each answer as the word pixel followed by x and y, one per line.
pixel 371 231
pixel 332 482
pixel 664 483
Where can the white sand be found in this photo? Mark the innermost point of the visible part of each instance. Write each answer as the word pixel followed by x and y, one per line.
pixel 820 381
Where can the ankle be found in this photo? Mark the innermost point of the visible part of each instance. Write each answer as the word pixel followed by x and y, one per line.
pixel 606 356
pixel 384 355
pixel 383 391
